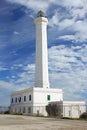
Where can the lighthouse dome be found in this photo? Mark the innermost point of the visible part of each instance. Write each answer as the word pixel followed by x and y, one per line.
pixel 41 14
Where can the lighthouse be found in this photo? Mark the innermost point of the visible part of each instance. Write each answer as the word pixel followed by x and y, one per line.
pixel 33 101
pixel 41 70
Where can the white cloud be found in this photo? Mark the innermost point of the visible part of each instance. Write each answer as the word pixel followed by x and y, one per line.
pixel 54 20
pixel 16 33
pixel 27 76
pixel 25 80
pixel 5 84
pixel 67 37
pixel 6 89
pixel 76 28
pixel 74 21
pixel 32 4
pixel 77 31
pixel 66 23
pixel 44 5
pixel 30 67
pixel 70 4
pixel 3 68
pixel 67 70
pixel 18 65
pixel 79 12
pixel 65 20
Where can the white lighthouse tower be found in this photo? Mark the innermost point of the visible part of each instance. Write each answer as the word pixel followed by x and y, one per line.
pixel 41 73
pixel 33 100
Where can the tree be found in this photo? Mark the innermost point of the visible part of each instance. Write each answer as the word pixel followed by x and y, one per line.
pixel 53 110
pixel 84 115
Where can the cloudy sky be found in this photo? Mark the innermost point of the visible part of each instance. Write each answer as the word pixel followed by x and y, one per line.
pixel 67 46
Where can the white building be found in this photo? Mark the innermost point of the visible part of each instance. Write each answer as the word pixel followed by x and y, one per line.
pixel 34 100
pixel 72 109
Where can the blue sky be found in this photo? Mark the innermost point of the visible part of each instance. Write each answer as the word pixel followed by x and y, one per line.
pixel 67 46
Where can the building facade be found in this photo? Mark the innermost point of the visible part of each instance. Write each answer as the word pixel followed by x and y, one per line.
pixel 33 101
pixel 71 109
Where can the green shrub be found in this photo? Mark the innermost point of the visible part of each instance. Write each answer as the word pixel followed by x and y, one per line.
pixel 84 115
pixel 7 112
pixel 53 110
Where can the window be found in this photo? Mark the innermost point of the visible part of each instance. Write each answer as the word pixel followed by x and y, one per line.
pixel 80 112
pixel 12 100
pixel 29 109
pixel 24 98
pixel 48 97
pixel 24 110
pixel 38 112
pixel 15 110
pixel 19 110
pixel 29 97
pixel 19 99
pixel 69 113
pixel 16 99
